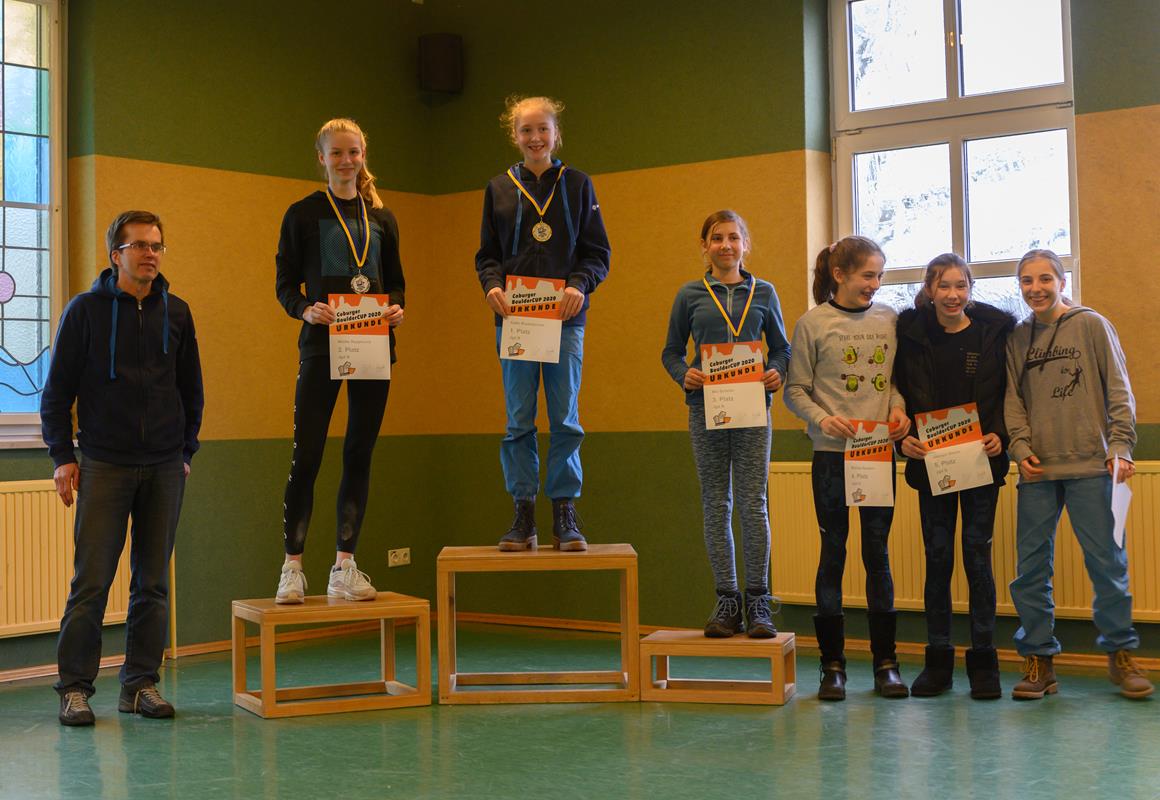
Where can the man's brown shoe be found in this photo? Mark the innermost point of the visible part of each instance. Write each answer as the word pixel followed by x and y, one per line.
pixel 1038 679
pixel 1128 675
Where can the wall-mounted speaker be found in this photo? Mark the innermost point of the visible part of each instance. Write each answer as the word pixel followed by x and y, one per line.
pixel 441 63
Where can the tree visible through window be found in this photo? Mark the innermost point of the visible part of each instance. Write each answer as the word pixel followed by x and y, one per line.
pixel 25 210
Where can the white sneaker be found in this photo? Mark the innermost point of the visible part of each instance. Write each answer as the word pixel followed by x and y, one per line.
pixel 292 584
pixel 347 582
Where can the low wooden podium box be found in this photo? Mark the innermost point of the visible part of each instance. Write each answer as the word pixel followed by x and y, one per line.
pixel 665 688
pixel 625 681
pixel 388 607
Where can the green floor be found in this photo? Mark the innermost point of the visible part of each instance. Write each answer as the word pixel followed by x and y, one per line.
pixel 1084 742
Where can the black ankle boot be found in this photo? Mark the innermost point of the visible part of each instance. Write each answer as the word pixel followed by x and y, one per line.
pixel 726 619
pixel 983 673
pixel 937 675
pixel 564 528
pixel 887 680
pixel 522 534
pixel 831 634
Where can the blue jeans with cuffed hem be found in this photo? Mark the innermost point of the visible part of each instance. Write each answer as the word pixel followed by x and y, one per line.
pixel 521 386
pixel 109 496
pixel 1088 502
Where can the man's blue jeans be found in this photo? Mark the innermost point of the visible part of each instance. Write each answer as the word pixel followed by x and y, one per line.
pixel 1088 502
pixel 109 495
pixel 521 386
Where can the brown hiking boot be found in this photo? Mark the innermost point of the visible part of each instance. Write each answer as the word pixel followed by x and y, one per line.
pixel 1038 679
pixel 1128 675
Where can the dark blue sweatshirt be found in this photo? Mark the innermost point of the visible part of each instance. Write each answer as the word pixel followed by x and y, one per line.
pixel 134 372
pixel 578 251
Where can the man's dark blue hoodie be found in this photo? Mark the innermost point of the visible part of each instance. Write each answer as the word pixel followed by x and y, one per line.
pixel 134 372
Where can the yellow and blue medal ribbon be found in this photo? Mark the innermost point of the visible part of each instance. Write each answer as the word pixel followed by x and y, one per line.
pixel 366 245
pixel 741 324
pixel 562 183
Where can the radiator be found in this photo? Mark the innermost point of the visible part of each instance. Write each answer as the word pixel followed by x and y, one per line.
pixel 796 545
pixel 36 560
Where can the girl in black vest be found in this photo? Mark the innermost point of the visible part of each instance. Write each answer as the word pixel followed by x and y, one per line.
pixel 951 351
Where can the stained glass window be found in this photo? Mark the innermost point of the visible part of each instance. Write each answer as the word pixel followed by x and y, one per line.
pixel 25 171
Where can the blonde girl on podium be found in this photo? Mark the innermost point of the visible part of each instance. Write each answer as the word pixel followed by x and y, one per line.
pixel 725 305
pixel 338 240
pixel 541 220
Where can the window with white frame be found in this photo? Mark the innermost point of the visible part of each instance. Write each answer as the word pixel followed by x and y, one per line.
pixel 31 239
pixel 954 131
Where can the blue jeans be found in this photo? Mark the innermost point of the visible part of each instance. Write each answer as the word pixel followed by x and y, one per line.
pixel 939 515
pixel 1088 502
pixel 518 453
pixel 828 474
pixel 109 495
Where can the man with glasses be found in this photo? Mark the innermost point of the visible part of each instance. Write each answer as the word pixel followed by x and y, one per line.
pixel 126 355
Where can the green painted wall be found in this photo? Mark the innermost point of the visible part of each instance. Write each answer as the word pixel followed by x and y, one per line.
pixel 1116 55
pixel 242 86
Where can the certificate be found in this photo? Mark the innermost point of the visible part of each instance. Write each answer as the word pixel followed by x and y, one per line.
pixel 869 465
pixel 955 459
pixel 360 339
pixel 734 393
pixel 531 331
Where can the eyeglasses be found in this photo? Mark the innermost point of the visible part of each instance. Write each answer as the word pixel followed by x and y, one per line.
pixel 155 247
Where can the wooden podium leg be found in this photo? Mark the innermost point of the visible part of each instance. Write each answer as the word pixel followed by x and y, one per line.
pixel 238 654
pixel 445 591
pixel 387 646
pixel 423 656
pixel 630 630
pixel 269 681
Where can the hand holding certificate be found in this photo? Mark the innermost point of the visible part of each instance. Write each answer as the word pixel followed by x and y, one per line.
pixel 531 330
pixel 955 458
pixel 869 465
pixel 734 391
pixel 360 338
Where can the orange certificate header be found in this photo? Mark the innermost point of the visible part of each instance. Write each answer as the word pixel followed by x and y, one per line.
pixel 360 314
pixel 534 297
pixel 736 362
pixel 871 441
pixel 949 426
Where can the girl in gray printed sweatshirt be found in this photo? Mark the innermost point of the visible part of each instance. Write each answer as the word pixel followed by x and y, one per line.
pixel 1071 418
pixel 842 370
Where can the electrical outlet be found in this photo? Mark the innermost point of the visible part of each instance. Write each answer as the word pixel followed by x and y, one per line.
pixel 398 558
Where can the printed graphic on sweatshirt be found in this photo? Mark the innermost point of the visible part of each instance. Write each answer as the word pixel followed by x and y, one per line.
pixel 734 393
pixel 335 253
pixel 866 360
pixel 956 459
pixel 531 332
pixel 1063 363
pixel 360 339
pixel 869 465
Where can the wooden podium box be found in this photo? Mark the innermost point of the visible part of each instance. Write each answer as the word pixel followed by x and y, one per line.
pixel 512 687
pixel 661 645
pixel 388 607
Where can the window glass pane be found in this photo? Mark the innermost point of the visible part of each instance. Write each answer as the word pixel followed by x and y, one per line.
pixel 26 227
pixel 25 168
pixel 25 39
pixel 1010 45
pixel 903 202
pixel 1017 195
pixel 896 52
pixel 25 100
pixel 28 269
pixel 999 292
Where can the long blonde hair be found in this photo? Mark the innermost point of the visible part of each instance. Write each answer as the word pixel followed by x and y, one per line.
pixel 366 181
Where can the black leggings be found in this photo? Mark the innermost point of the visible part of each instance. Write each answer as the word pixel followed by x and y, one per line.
pixel 314 398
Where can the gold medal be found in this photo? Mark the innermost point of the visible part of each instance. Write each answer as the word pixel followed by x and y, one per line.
pixel 541 231
pixel 360 283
